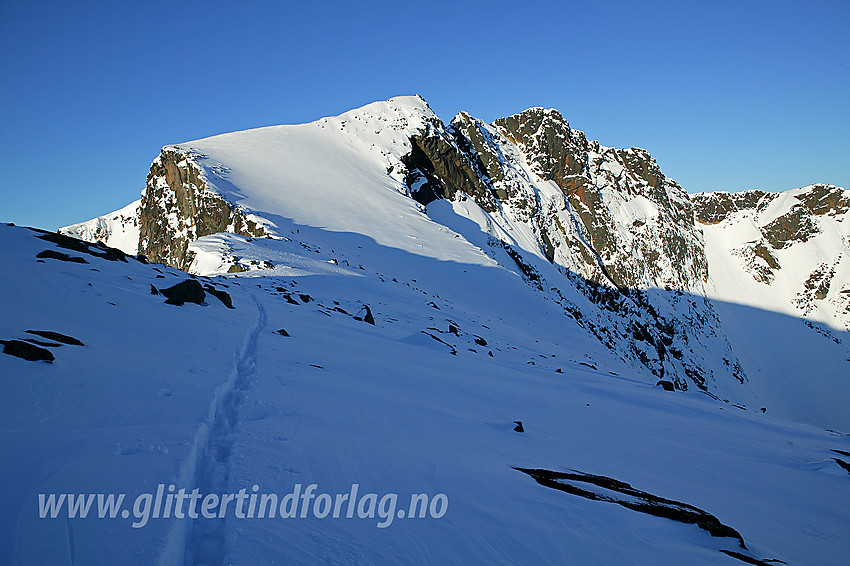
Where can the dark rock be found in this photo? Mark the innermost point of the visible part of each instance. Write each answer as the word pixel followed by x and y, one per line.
pixel 666 385
pixel 236 268
pixel 518 427
pixel 556 149
pixel 368 318
pixel 153 290
pixel 797 225
pixel 453 330
pixel 222 296
pixel 438 339
pixel 439 169
pixel 188 291
pixel 843 464
pixel 823 200
pixel 56 337
pixel 283 332
pixel 480 341
pixel 96 249
pixel 52 254
pixel 712 208
pixel 602 488
pixel 26 351
pixel 749 559
pixel 305 298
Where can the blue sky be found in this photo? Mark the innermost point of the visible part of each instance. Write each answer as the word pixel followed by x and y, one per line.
pixel 725 95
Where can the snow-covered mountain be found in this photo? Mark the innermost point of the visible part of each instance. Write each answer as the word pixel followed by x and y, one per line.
pixel 569 216
pixel 117 230
pixel 491 312
pixel 786 252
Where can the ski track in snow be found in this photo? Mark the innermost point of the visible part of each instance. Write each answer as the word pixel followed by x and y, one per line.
pixel 206 543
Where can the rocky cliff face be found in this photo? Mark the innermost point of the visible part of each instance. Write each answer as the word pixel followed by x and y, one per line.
pixel 615 219
pixel 639 223
pixel 180 205
pixel 607 220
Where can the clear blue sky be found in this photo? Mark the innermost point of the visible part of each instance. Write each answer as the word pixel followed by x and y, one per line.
pixel 725 95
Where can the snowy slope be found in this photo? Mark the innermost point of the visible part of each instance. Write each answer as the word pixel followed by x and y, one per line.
pixel 123 410
pixel 788 252
pixel 214 398
pixel 491 262
pixel 119 229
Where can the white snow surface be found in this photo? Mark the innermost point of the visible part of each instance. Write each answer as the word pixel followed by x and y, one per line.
pixel 119 229
pixel 797 364
pixel 205 396
pixel 731 281
pixel 344 174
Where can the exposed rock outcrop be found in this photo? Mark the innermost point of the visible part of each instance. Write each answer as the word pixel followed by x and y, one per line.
pixel 712 208
pixel 638 223
pixel 438 169
pixel 27 351
pixel 187 291
pixel 180 205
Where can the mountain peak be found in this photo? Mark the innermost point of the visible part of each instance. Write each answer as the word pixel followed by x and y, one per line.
pixel 526 194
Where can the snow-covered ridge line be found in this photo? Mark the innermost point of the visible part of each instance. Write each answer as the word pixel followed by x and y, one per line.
pixel 119 229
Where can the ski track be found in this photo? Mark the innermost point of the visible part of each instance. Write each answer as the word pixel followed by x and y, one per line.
pixel 206 542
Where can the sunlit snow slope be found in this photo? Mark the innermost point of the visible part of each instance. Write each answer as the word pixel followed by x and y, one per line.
pixel 118 230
